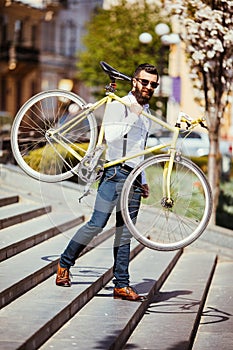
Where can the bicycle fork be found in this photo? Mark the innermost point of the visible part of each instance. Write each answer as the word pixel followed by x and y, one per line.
pixel 167 201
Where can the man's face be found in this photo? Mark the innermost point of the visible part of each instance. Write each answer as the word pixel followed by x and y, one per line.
pixel 143 87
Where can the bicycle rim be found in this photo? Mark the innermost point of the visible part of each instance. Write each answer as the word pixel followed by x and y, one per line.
pixel 40 156
pixel 157 226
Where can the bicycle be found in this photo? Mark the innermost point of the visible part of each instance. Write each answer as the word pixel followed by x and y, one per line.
pixel 55 135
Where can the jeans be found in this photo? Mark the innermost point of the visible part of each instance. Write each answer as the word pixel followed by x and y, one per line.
pixel 108 197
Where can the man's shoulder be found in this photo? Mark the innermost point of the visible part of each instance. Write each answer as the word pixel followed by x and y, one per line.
pixel 118 104
pixel 126 98
pixel 129 98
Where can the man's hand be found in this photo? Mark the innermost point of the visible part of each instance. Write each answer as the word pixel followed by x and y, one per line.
pixel 145 191
pixel 136 108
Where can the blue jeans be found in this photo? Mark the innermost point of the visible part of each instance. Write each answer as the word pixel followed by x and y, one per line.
pixel 108 197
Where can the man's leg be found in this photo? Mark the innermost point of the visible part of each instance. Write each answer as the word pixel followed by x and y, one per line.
pixel 104 205
pixel 78 242
pixel 122 252
pixel 122 243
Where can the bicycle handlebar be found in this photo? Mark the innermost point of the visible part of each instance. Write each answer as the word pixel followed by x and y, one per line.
pixel 184 117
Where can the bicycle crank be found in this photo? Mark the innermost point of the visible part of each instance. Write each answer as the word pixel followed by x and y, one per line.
pixel 91 166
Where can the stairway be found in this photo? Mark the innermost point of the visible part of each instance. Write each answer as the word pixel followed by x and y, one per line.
pixel 189 292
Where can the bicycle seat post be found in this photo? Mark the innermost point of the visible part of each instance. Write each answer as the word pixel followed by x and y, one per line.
pixel 111 87
pixel 113 75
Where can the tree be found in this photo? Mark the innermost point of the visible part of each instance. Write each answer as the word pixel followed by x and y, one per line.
pixel 113 36
pixel 207 30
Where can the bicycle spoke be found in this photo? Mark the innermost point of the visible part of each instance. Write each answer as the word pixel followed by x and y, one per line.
pixel 172 226
pixel 36 151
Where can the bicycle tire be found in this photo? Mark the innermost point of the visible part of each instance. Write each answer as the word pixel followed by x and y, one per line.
pixel 48 110
pixel 163 228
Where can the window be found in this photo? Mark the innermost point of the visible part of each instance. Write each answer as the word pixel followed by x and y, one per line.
pixel 72 37
pixel 18 31
pixel 48 36
pixel 62 42
pixel 34 35
pixel 3 30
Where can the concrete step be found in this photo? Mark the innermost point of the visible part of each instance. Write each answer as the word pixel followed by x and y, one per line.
pixel 52 306
pixel 19 237
pixel 37 314
pixel 62 196
pixel 6 199
pixel 20 212
pixel 172 317
pixel 23 271
pixel 35 265
pixel 105 323
pixel 216 323
pixel 218 239
pixel 223 252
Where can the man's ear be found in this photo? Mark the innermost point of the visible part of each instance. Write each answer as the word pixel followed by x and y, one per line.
pixel 134 82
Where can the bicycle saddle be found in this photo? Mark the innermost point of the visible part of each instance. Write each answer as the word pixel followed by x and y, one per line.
pixel 113 73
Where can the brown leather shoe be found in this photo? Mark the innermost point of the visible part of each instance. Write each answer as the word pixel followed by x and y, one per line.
pixel 63 277
pixel 127 293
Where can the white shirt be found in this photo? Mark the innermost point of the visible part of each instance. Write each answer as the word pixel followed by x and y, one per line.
pixel 118 122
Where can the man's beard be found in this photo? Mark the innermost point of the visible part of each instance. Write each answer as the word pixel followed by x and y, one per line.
pixel 141 99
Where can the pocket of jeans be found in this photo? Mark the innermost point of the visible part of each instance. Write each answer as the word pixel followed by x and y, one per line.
pixel 110 174
pixel 124 171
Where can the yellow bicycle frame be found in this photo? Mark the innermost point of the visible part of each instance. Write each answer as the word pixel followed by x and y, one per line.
pixel 104 101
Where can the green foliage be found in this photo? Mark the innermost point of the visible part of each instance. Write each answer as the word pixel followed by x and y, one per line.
pixel 44 157
pixel 113 36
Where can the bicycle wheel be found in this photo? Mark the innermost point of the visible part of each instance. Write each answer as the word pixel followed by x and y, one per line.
pixel 39 155
pixel 168 226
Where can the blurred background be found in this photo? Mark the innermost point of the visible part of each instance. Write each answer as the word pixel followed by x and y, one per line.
pixel 50 44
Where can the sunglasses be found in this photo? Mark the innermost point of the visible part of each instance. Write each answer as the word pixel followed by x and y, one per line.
pixel 145 82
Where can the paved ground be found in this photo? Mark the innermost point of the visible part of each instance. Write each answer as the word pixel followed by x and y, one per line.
pixel 189 306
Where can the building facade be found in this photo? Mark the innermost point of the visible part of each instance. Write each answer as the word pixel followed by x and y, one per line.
pixel 38 44
pixel 39 40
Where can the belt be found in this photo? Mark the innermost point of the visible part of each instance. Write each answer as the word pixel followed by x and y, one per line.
pixel 126 167
pixel 123 166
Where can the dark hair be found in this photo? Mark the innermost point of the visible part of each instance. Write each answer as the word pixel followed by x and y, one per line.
pixel 149 68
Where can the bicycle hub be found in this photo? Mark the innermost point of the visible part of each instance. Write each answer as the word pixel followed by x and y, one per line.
pixel 167 202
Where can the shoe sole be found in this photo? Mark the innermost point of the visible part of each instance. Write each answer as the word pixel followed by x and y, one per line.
pixel 63 285
pixel 125 298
